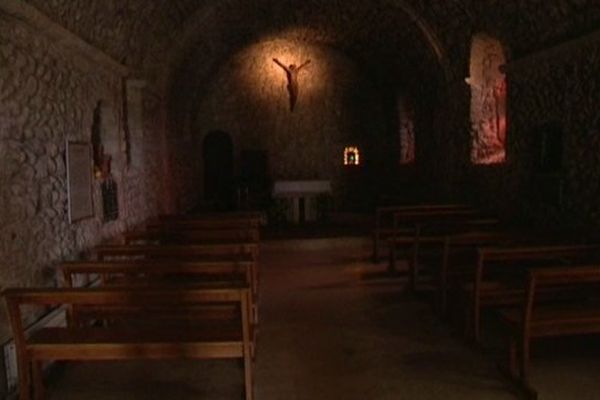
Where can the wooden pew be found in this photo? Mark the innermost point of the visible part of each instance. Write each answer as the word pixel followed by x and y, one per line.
pixel 428 231
pixel 384 220
pixel 170 338
pixel 152 273
pixel 215 215
pixel 499 269
pixel 459 254
pixel 574 310
pixel 206 252
pixel 406 224
pixel 215 271
pixel 210 222
pixel 204 236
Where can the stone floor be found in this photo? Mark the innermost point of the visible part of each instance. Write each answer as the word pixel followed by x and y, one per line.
pixel 332 328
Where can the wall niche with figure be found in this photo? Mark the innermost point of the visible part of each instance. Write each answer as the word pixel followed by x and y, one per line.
pixel 106 147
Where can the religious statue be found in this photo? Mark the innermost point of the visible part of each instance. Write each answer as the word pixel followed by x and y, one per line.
pixel 291 73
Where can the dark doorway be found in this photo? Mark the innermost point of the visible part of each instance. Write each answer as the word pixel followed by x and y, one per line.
pixel 550 148
pixel 218 170
pixel 255 182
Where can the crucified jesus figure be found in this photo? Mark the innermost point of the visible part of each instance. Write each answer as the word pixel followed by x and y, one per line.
pixel 291 73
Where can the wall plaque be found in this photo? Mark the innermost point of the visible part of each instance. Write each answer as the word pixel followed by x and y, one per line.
pixel 79 181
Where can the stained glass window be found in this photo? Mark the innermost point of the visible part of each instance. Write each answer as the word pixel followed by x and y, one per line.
pixel 488 101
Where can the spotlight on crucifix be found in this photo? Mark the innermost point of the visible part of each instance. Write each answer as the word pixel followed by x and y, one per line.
pixel 291 73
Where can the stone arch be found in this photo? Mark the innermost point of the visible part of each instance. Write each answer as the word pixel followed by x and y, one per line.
pixel 488 100
pixel 205 17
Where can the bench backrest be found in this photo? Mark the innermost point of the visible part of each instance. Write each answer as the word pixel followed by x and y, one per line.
pixel 214 215
pixel 382 212
pixel 209 223
pixel 410 219
pixel 525 256
pixel 137 268
pixel 250 235
pixel 536 252
pixel 573 280
pixel 121 297
pixel 237 251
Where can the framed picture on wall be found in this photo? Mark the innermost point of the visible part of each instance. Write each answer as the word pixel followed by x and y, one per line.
pixel 79 180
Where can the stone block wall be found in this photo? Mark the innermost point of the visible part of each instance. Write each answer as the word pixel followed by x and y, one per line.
pixel 560 88
pixel 47 96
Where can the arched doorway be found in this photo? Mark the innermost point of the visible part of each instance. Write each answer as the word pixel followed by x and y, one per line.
pixel 218 170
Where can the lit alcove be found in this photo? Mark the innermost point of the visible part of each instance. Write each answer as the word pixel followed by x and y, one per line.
pixel 351 156
pixel 406 119
pixel 488 101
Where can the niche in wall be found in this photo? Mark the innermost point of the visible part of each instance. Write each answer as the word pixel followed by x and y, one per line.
pixel 547 184
pixel 105 140
pixel 133 110
pixel 406 118
pixel 549 145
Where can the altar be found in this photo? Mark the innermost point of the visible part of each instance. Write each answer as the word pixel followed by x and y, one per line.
pixel 301 198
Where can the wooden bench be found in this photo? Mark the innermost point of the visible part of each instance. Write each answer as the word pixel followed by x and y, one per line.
pixel 142 272
pixel 196 252
pixel 384 220
pixel 152 273
pixel 215 215
pixel 205 223
pixel 215 271
pixel 429 231
pixel 576 312
pixel 403 234
pixel 459 254
pixel 203 236
pixel 169 338
pixel 500 269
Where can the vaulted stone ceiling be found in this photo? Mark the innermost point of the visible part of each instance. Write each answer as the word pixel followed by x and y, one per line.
pixel 183 42
pixel 132 28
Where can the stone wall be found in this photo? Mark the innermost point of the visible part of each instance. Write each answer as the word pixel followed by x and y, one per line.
pixel 559 89
pixel 47 96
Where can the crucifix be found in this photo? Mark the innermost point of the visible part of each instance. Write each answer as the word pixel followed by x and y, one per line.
pixel 291 73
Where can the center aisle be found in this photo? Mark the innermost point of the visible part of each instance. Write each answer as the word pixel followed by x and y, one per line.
pixel 328 331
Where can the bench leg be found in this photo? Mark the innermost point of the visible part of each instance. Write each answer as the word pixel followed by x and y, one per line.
pixel 476 325
pixel 37 373
pixel 512 358
pixel 24 380
pixel 248 382
pixel 524 360
pixel 375 249
pixel 392 264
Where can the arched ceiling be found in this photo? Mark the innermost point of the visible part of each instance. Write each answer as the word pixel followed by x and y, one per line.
pixel 134 28
pixel 185 41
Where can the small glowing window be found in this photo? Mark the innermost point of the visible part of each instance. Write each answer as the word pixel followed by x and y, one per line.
pixel 351 156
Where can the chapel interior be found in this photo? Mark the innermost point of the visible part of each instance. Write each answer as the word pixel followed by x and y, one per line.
pixel 359 138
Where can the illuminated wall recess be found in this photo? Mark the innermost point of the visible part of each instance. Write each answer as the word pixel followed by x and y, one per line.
pixel 488 101
pixel 406 118
pixel 351 156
